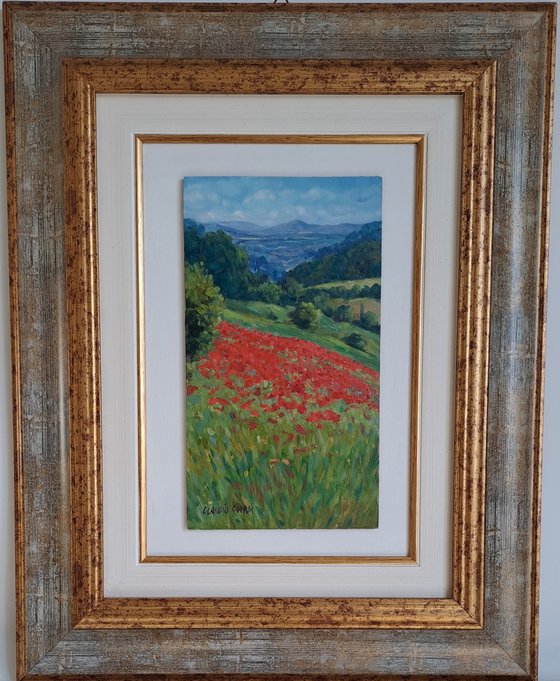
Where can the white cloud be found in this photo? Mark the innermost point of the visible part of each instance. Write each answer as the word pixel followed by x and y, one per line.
pixel 260 196
pixel 265 195
pixel 314 193
pixel 269 201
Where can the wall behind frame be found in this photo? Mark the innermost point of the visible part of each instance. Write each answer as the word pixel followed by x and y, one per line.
pixel 549 636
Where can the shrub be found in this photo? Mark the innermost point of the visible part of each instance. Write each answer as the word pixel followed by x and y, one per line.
pixel 268 292
pixel 305 315
pixel 355 340
pixel 203 307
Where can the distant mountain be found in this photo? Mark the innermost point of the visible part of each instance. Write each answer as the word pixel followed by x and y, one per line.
pixel 299 227
pixel 293 227
pixel 238 226
pixel 358 256
pixel 273 250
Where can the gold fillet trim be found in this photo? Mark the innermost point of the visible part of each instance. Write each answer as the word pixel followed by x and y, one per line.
pixel 420 182
pixel 273 613
pixel 141 345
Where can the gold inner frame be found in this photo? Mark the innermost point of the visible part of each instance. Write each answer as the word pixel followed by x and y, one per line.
pixel 419 141
pixel 475 81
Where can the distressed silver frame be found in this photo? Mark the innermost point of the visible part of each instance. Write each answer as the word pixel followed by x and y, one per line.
pixel 38 38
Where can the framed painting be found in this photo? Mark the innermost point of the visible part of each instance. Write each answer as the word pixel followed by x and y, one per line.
pixel 277 322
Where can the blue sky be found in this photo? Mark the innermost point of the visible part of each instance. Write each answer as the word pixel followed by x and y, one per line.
pixel 271 201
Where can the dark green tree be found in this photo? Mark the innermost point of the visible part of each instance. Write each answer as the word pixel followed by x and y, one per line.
pixel 222 259
pixel 343 313
pixel 227 263
pixel 369 321
pixel 203 308
pixel 328 309
pixel 292 291
pixel 376 291
pixel 355 261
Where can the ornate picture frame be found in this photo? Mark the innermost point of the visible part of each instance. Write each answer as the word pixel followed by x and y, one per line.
pixel 499 58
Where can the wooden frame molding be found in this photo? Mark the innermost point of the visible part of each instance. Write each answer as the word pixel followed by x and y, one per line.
pixel 499 58
pixel 419 142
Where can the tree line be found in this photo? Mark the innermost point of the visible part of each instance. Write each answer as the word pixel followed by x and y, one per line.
pixel 215 268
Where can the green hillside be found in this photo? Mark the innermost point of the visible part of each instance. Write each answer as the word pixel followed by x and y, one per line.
pixel 357 257
pixel 329 334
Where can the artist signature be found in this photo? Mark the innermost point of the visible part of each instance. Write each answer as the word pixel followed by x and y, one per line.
pixel 224 509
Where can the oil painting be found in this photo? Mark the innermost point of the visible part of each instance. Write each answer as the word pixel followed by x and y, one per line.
pixel 282 279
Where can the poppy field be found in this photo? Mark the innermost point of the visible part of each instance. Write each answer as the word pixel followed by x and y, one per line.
pixel 281 433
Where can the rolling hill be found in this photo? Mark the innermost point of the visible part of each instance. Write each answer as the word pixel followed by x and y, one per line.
pixel 358 256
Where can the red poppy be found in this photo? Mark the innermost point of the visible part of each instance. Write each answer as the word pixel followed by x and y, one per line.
pixel 263 373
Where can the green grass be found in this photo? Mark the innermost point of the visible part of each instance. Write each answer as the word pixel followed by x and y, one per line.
pixel 329 334
pixel 369 304
pixel 348 283
pixel 256 472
